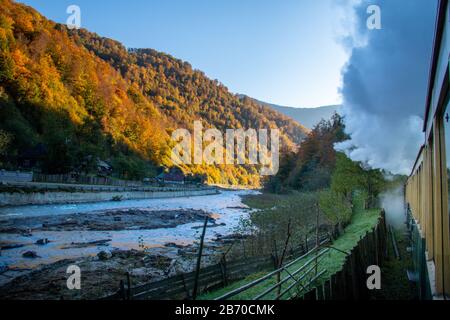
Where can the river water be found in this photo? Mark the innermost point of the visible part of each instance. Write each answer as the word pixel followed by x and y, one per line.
pixel 227 208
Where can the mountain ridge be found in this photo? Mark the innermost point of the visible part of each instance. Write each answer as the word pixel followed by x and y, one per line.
pixel 307 117
pixel 86 97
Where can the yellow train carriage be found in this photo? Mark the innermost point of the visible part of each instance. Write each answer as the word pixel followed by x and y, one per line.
pixel 427 189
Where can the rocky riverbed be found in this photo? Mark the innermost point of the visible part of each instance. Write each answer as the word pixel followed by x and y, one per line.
pixel 110 220
pixel 101 274
pixel 150 240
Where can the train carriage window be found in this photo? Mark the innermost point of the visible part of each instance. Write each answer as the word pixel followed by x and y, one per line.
pixel 447 145
pixel 446 217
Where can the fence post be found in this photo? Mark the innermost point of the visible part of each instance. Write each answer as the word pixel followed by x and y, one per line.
pixel 356 279
pixel 374 248
pixel 317 236
pixel 377 245
pixel 188 294
pixel 384 233
pixel 199 259
pixel 223 269
pixel 128 286
pixel 243 249
pixel 122 290
pixel 314 294
pixel 320 292
pixel 333 288
pixel 343 284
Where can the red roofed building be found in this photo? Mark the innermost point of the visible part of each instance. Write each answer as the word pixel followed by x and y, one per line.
pixel 175 175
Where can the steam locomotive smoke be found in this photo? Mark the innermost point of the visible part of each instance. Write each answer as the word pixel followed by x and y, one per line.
pixel 393 203
pixel 385 83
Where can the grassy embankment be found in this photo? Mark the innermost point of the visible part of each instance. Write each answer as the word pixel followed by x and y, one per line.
pixel 362 222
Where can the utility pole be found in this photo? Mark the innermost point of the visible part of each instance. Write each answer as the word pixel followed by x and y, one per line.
pixel 199 259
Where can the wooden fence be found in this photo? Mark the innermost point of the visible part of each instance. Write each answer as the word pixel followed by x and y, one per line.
pixel 284 284
pixel 8 176
pixel 106 188
pixel 350 283
pixel 181 286
pixel 82 179
pixel 347 284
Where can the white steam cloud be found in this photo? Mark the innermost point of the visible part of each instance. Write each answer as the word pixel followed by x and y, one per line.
pixel 393 203
pixel 385 83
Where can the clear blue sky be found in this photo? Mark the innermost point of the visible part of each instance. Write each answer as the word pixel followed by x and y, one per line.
pixel 285 52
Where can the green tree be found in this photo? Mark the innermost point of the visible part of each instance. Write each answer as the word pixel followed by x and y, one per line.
pixel 374 183
pixel 347 176
pixel 336 208
pixel 5 140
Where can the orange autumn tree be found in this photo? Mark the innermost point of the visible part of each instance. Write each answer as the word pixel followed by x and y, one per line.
pixel 84 97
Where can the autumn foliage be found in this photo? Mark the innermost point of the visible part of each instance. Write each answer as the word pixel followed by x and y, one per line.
pixel 83 97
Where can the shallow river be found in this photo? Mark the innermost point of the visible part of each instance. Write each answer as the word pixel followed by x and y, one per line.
pixel 226 207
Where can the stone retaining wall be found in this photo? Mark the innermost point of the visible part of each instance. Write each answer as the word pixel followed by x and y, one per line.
pixel 18 199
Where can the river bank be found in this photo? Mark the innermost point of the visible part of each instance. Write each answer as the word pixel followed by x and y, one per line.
pixel 151 239
pixel 101 274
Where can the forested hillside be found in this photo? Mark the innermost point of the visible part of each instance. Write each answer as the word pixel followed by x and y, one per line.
pixel 69 98
pixel 317 166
